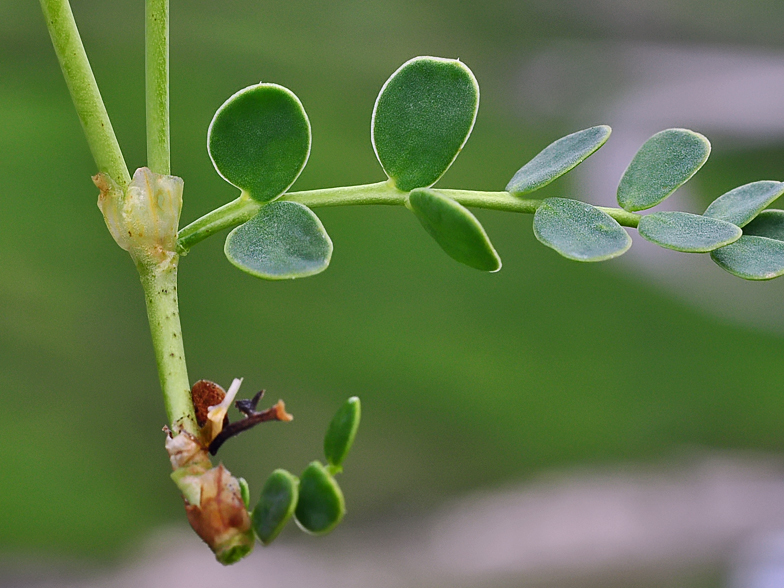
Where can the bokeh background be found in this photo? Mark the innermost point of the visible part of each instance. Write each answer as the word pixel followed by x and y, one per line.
pixel 614 424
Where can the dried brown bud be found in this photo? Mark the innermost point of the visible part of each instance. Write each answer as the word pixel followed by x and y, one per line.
pixel 221 519
pixel 213 499
pixel 205 394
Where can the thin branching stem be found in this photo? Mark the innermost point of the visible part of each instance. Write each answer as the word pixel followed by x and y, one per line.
pixel 84 91
pixel 244 208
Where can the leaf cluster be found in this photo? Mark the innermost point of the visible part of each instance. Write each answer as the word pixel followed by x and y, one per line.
pixel 259 141
pixel 314 499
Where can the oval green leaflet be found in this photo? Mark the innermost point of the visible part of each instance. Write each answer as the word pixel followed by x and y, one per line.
pixel 690 233
pixel 455 229
pixel 663 164
pixel 244 491
pixel 259 140
pixel 768 223
pixel 341 432
pixel 558 158
pixel 320 506
pixel 579 231
pixel 742 204
pixel 752 258
pixel 422 118
pixel 284 240
pixel 276 505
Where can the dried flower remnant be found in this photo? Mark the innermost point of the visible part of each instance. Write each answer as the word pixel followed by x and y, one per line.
pixel 277 412
pixel 213 497
pixel 143 220
pixel 205 394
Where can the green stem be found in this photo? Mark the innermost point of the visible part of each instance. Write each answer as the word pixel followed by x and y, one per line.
pixel 157 85
pixel 244 208
pixel 624 217
pixel 233 213
pixel 84 91
pixel 160 282
pixel 160 292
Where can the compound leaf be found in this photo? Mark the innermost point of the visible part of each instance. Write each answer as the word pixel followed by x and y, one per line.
pixel 752 258
pixel 259 140
pixel 663 164
pixel 690 233
pixel 341 432
pixel 422 118
pixel 455 229
pixel 276 505
pixel 579 231
pixel 558 158
pixel 320 506
pixel 769 223
pixel 741 205
pixel 284 240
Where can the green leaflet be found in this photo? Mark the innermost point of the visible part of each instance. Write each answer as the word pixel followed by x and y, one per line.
pixel 422 118
pixel 690 233
pixel 244 491
pixel 341 432
pixel 320 506
pixel 769 223
pixel 752 258
pixel 741 205
pixel 558 158
pixel 259 140
pixel 663 164
pixel 455 229
pixel 284 240
pixel 579 231
pixel 276 505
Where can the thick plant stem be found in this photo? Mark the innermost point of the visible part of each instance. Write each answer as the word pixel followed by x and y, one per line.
pixel 84 91
pixel 157 85
pixel 244 208
pixel 160 292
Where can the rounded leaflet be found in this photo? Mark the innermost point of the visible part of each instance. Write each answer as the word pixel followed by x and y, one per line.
pixel 285 240
pixel 579 231
pixel 663 164
pixel 341 431
pixel 320 506
pixel 276 505
pixel 455 229
pixel 259 140
pixel 558 158
pixel 422 118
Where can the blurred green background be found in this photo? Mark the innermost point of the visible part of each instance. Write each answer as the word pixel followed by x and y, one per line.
pixel 468 380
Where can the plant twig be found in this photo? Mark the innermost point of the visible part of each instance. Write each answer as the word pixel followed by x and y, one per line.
pixel 277 412
pixel 244 208
pixel 160 292
pixel 84 91
pixel 157 85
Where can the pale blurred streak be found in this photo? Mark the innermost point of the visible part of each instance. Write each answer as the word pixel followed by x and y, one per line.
pixel 632 525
